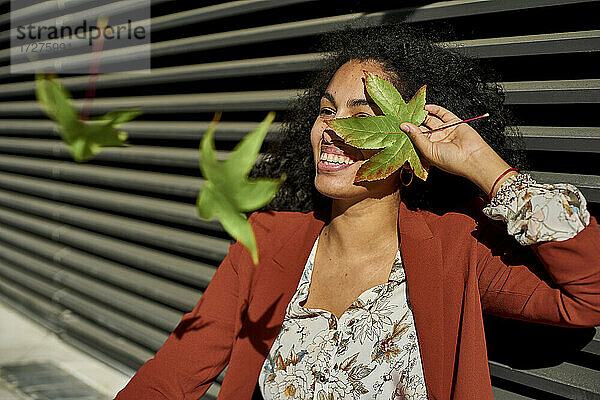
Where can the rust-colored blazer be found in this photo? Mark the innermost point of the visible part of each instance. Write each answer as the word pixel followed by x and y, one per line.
pixel 455 267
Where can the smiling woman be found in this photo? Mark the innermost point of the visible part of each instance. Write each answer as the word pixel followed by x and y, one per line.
pixel 373 289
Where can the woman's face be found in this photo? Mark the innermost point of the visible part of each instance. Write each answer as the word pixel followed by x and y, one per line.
pixel 346 96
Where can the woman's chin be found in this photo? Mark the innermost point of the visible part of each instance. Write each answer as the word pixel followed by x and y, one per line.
pixel 338 188
pixel 343 186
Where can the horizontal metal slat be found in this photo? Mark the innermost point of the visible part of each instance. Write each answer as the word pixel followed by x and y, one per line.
pixel 110 200
pixel 117 226
pixel 461 8
pixel 37 285
pixel 142 309
pixel 42 8
pixel 502 394
pixel 145 259
pixel 561 138
pixel 528 92
pixel 588 184
pixel 31 305
pixel 158 289
pixel 548 43
pixel 142 155
pixel 174 103
pixel 26 127
pixel 116 346
pixel 172 130
pixel 569 380
pixel 169 184
pixel 217 11
pixel 118 323
pixel 580 91
pixel 440 10
pixel 593 347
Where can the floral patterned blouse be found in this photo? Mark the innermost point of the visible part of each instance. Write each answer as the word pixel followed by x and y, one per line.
pixel 371 351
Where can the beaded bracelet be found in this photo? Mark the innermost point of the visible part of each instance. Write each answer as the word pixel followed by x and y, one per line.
pixel 509 188
pixel 498 180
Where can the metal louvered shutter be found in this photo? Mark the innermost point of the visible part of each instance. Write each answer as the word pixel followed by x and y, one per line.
pixel 110 253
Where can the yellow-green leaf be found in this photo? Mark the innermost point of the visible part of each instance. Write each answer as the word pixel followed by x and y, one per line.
pixel 383 131
pixel 228 192
pixel 84 139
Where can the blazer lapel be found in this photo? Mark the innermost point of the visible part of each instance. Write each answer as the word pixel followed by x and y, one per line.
pixel 276 284
pixel 422 259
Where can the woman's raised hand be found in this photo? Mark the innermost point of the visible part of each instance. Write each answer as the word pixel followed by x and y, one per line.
pixel 458 149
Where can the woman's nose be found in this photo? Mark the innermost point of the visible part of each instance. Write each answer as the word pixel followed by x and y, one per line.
pixel 329 135
pixel 326 135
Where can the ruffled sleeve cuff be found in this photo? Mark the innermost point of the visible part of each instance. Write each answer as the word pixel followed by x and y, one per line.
pixel 536 212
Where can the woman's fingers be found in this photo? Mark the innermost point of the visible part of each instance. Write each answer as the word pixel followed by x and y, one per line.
pixel 435 120
pixel 441 113
pixel 432 121
pixel 421 142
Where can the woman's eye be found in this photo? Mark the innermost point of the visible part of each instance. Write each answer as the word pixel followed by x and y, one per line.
pixel 329 111
pixel 326 111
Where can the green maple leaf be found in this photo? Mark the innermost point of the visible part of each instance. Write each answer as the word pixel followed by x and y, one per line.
pixel 84 139
pixel 228 192
pixel 383 131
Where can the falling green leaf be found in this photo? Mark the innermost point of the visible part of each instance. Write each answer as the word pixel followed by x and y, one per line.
pixel 84 139
pixel 383 131
pixel 228 192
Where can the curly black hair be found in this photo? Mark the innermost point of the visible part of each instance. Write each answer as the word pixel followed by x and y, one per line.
pixel 413 58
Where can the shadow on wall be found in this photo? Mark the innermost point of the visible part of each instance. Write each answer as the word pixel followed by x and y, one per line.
pixel 525 345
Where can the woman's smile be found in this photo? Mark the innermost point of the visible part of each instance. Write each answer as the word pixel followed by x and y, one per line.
pixel 333 159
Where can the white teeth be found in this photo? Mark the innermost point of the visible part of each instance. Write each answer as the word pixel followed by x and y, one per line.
pixel 335 159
